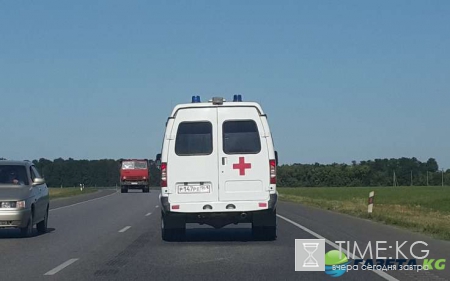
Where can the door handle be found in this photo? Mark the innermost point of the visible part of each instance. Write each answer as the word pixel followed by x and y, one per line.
pixel 224 161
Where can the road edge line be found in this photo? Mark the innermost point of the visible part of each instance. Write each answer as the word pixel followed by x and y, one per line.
pixel 90 200
pixel 334 245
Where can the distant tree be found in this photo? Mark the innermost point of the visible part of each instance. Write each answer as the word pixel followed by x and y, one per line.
pixel 432 165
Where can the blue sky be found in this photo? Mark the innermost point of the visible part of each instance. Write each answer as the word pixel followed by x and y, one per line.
pixel 340 80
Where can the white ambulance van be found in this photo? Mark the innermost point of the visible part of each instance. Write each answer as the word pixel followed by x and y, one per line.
pixel 218 167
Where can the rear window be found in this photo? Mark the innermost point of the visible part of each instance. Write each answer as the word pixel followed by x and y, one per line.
pixel 194 138
pixel 241 137
pixel 13 174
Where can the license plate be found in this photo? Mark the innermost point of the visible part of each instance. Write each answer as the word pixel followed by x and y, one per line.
pixel 134 183
pixel 188 189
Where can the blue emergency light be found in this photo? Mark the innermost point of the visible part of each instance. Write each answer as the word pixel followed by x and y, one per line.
pixel 237 98
pixel 195 99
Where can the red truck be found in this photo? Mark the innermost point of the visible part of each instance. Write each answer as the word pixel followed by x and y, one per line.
pixel 134 174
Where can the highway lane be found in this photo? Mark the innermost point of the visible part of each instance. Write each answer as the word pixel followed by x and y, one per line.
pixel 117 237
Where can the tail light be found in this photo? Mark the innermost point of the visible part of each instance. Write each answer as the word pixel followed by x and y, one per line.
pixel 163 174
pixel 273 171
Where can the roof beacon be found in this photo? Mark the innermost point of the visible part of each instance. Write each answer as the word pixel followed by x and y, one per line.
pixel 195 99
pixel 237 98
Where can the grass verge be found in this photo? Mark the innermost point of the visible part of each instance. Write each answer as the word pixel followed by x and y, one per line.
pixel 68 192
pixel 421 209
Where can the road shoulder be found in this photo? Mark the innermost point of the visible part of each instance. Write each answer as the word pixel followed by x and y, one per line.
pixel 67 201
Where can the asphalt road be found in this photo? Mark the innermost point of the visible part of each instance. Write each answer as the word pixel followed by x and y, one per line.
pixel 114 236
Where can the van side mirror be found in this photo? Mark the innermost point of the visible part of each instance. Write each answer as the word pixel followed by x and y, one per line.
pixel 38 181
pixel 158 160
pixel 276 158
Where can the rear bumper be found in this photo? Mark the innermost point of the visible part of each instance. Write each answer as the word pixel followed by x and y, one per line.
pixel 218 207
pixel 14 218
pixel 131 184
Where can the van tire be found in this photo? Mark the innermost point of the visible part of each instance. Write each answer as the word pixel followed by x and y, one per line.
pixel 267 230
pixel 171 234
pixel 265 233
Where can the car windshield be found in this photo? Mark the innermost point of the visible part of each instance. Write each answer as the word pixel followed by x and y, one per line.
pixel 13 175
pixel 140 165
pixel 133 165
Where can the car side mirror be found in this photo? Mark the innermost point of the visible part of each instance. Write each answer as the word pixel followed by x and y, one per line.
pixel 38 181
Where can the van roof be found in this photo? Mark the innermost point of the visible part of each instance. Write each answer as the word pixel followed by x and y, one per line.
pixel 210 104
pixel 16 163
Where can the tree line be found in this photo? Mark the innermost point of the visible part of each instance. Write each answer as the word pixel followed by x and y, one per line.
pixel 91 173
pixel 378 172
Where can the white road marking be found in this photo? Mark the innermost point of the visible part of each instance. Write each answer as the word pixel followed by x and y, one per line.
pixel 82 202
pixel 334 245
pixel 124 229
pixel 148 214
pixel 60 267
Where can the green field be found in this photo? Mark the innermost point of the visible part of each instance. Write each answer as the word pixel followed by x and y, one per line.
pixel 68 191
pixel 421 209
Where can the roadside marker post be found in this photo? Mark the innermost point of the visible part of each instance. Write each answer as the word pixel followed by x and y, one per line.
pixel 370 205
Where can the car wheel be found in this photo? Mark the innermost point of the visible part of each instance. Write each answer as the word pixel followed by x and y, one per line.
pixel 124 190
pixel 27 231
pixel 42 226
pixel 146 189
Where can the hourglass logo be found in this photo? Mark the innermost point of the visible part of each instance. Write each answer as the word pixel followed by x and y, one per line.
pixel 310 261
pixel 309 254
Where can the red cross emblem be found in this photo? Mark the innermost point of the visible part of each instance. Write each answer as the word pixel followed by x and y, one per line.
pixel 242 166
